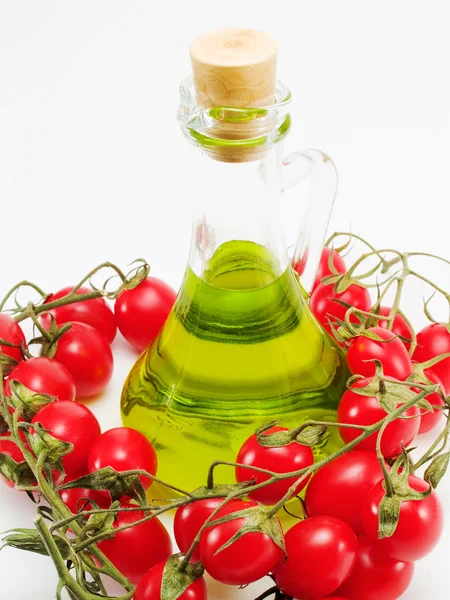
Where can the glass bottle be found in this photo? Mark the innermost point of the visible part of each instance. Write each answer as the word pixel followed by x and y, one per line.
pixel 241 347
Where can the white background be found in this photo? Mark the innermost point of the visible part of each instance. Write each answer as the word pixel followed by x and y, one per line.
pixel 93 165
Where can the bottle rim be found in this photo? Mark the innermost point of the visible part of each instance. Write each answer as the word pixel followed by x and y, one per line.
pixel 220 128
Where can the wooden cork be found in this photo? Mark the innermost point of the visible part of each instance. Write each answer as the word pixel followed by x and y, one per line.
pixel 234 67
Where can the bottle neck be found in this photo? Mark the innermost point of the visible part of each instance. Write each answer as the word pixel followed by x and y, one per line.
pixel 237 214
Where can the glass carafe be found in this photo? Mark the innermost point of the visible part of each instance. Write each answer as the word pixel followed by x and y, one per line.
pixel 240 347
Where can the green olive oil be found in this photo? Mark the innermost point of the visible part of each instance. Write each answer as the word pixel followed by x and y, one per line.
pixel 239 349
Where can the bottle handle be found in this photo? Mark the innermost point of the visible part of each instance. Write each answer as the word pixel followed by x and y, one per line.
pixel 320 171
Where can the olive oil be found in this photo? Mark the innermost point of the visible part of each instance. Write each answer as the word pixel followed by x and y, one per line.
pixel 239 349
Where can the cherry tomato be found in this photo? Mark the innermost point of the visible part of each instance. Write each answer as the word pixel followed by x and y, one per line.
pixel 86 354
pixel 149 587
pixel 139 548
pixel 45 376
pixel 142 311
pixel 282 459
pixel 188 521
pixel 400 327
pixel 77 499
pixel 391 353
pixel 432 341
pixel 123 449
pixel 248 559
pixel 10 331
pixel 431 419
pixel 355 409
pixel 95 313
pixel 325 307
pixel 321 552
pixel 71 422
pixel 419 527
pixel 340 488
pixel 375 575
pixel 9 448
pixel 324 268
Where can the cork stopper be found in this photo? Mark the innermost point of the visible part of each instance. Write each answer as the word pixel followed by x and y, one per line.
pixel 234 68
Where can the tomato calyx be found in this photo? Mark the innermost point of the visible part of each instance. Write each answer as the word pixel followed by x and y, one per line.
pixel 258 519
pixel 308 434
pixel 397 490
pixel 118 484
pixel 218 490
pixel 178 576
pixel 26 402
pixel 31 540
pixel 49 338
pixel 18 473
pixel 7 363
pixel 135 277
pixel 391 393
pixel 437 469
pixel 99 524
pixel 342 281
pixel 48 448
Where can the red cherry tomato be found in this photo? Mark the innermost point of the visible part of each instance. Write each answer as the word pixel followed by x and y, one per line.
pixel 355 409
pixel 149 587
pixel 340 488
pixel 433 341
pixel 139 548
pixel 123 449
pixel 71 422
pixel 375 575
pixel 400 327
pixel 321 552
pixel 10 331
pixel 431 419
pixel 45 376
pixel 324 267
pixel 326 309
pixel 86 354
pixel 188 521
pixel 248 559
pixel 95 313
pixel 391 353
pixel 142 311
pixel 281 459
pixel 419 527
pixel 9 448
pixel 77 499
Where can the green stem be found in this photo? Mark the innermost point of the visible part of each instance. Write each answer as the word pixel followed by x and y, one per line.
pixel 216 463
pixel 429 453
pixel 100 537
pixel 427 255
pixel 64 575
pixel 301 428
pixel 430 283
pixel 387 478
pixel 303 473
pixel 71 298
pixel 187 557
pixel 30 312
pixel 17 287
pixel 48 490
